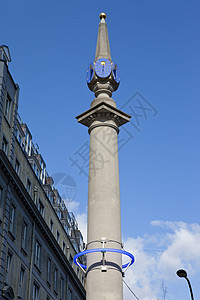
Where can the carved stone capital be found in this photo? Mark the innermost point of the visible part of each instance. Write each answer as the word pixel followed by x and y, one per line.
pixel 103 113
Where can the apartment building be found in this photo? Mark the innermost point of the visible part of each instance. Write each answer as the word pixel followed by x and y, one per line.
pixel 38 235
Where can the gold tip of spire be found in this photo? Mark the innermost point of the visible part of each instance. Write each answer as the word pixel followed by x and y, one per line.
pixel 102 16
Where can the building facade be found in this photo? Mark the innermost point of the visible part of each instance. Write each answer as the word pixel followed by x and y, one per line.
pixel 38 235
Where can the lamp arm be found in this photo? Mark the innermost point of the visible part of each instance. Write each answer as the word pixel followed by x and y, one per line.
pixel 190 287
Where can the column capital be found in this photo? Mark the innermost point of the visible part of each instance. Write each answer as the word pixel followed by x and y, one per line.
pixel 103 112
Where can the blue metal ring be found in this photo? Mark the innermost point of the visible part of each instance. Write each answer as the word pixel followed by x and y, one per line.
pixel 104 250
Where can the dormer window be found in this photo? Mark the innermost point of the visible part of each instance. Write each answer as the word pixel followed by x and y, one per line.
pixel 5 54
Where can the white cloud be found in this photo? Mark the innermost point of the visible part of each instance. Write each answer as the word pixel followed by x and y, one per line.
pixel 82 224
pixel 81 218
pixel 157 257
pixel 71 205
pixel 139 276
pixel 160 256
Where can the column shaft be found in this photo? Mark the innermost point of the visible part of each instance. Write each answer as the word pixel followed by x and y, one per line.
pixel 104 217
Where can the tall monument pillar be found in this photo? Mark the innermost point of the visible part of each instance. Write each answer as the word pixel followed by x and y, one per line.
pixel 103 119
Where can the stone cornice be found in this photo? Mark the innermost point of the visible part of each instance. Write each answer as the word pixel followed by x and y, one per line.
pixel 103 112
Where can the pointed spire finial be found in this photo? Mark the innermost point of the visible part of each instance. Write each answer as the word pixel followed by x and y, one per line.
pixel 103 47
pixel 102 16
pixel 102 74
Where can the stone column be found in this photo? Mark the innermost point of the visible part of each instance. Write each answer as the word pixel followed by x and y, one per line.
pixel 104 271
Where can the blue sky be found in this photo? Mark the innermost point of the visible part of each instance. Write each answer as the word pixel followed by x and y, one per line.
pixel 156 45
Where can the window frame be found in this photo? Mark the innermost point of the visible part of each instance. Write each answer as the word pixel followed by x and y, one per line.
pixel 58 237
pixel 1 202
pixel 49 270
pixel 37 258
pixel 12 217
pixel 51 225
pixel 8 264
pixel 8 108
pixel 56 280
pixel 24 235
pixel 36 289
pixel 17 166
pixel 41 207
pixel 28 186
pixel 35 195
pixel 62 287
pixel 5 145
pixel 71 259
pixel 70 293
pixel 64 247
pixel 1 193
pixel 21 280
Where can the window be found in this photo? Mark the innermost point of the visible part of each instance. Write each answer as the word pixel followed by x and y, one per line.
pixel 5 145
pixel 70 259
pixel 21 277
pixel 62 288
pixel 20 139
pixel 58 237
pixel 35 193
pixel 49 270
pixel 12 218
pixel 56 280
pixel 68 230
pixel 41 207
pixel 64 247
pixel 70 294
pixel 35 292
pixel 8 263
pixel 1 203
pixel 28 186
pixel 24 235
pixel 51 225
pixel 1 193
pixel 58 200
pixel 21 280
pixel 37 254
pixel 8 108
pixel 51 199
pixel 17 166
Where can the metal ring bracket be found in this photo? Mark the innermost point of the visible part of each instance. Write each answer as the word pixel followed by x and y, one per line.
pixel 103 250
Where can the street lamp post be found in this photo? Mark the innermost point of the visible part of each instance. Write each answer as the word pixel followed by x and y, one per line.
pixel 183 273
